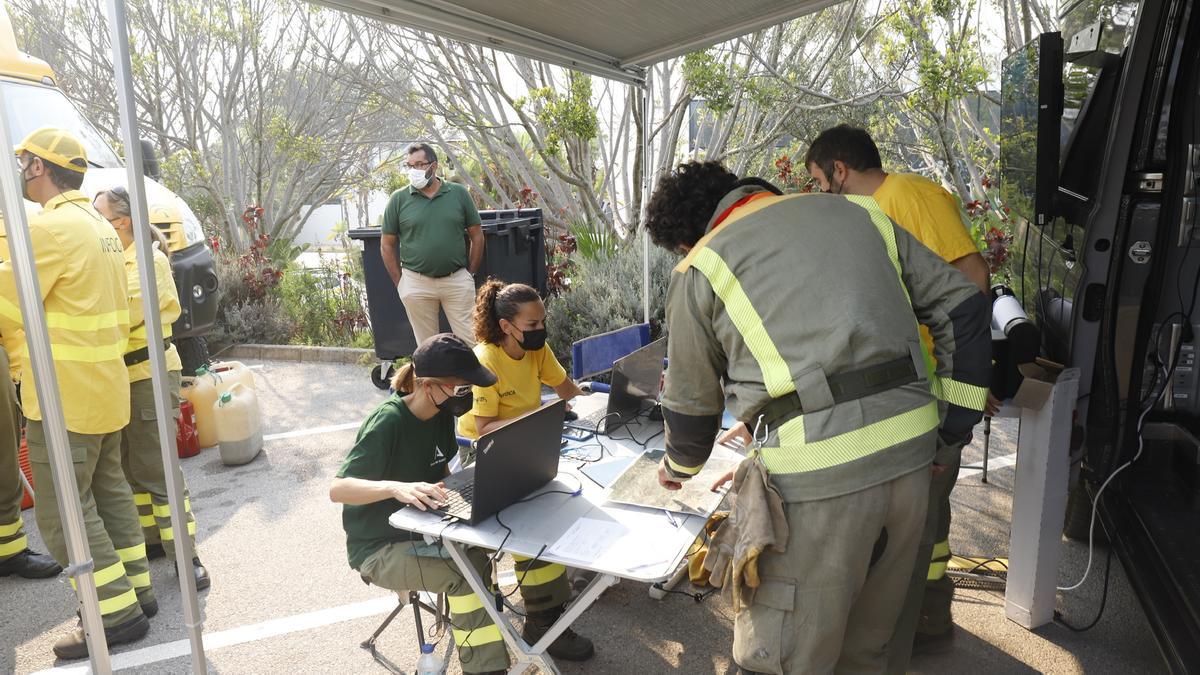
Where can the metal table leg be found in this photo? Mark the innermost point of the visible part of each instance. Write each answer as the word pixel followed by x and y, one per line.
pixel 526 655
pixel 987 441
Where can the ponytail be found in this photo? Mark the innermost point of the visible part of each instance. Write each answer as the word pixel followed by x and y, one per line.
pixel 160 238
pixel 497 300
pixel 405 379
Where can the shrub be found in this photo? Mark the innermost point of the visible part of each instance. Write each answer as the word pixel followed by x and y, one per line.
pixel 261 322
pixel 325 305
pixel 605 293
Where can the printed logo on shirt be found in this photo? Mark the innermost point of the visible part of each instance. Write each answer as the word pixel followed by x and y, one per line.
pixel 510 392
pixel 111 245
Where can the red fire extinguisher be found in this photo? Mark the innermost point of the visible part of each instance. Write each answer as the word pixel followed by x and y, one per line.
pixel 187 439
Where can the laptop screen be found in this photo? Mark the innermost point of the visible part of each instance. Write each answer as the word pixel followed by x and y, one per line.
pixel 643 370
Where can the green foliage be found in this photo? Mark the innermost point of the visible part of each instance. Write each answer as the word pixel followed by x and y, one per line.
pixel 565 117
pixel 593 241
pixel 605 294
pixel 325 305
pixel 709 79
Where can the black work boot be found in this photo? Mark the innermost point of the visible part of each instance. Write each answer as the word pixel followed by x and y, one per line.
pixel 74 645
pixel 933 643
pixel 30 565
pixel 202 579
pixel 570 646
pixel 155 551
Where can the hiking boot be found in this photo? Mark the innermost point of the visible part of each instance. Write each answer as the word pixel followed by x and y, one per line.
pixel 202 579
pixel 30 565
pixel 74 645
pixel 155 551
pixel 933 643
pixel 570 646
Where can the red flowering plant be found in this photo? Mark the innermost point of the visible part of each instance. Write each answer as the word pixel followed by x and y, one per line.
pixel 991 229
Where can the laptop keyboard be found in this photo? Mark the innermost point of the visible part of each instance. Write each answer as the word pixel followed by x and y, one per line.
pixel 593 419
pixel 459 503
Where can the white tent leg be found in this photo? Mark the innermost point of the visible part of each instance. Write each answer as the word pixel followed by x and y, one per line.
pixel 37 337
pixel 647 175
pixel 154 333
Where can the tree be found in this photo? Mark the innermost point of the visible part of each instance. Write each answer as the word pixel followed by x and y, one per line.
pixel 248 101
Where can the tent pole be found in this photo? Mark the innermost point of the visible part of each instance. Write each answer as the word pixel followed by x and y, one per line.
pixel 647 174
pixel 45 380
pixel 164 413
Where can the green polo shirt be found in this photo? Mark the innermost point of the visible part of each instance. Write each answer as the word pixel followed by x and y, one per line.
pixel 431 230
pixel 392 444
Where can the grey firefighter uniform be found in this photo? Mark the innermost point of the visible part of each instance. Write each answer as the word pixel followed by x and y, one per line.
pixel 807 306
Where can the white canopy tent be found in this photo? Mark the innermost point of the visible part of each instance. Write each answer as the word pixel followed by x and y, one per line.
pixel 616 39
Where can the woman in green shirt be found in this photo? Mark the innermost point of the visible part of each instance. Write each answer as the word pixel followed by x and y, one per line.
pixel 401 455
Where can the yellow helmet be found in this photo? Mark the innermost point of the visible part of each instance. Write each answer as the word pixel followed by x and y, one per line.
pixel 57 146
pixel 161 214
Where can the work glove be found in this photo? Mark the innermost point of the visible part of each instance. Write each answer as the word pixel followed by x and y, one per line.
pixel 757 523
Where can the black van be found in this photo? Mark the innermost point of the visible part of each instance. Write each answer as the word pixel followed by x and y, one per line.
pixel 1100 157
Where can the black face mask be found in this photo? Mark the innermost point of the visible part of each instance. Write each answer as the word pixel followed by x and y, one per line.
pixel 532 340
pixel 456 405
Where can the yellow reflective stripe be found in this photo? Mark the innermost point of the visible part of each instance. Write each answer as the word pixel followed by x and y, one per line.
pixel 11 528
pixel 141 498
pixel 109 574
pixel 87 322
pixel 796 455
pixel 541 575
pixel 139 580
pixel 168 533
pixel 14 547
pixel 122 601
pixel 464 604
pixel 936 571
pixel 940 550
pixel 147 521
pixel 962 394
pixel 162 510
pixel 91 354
pixel 132 553
pixel 477 637
pixel 776 375
pixel 679 468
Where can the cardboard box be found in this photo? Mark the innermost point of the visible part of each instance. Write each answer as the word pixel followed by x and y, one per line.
pixel 1037 381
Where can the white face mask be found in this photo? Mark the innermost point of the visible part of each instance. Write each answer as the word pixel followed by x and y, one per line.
pixel 417 178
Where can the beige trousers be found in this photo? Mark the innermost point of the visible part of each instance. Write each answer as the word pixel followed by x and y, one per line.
pixel 422 296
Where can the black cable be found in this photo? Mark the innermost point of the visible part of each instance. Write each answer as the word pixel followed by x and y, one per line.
pixel 1061 620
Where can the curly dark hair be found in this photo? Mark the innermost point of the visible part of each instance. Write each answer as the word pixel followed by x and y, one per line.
pixel 684 202
pixel 498 300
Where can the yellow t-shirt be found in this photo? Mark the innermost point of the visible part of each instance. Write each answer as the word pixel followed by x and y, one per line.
pixel 518 387
pixel 929 213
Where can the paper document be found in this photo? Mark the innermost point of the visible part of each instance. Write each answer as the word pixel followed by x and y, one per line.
pixel 636 543
pixel 588 540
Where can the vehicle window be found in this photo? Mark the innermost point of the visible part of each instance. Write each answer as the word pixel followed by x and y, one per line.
pixel 30 107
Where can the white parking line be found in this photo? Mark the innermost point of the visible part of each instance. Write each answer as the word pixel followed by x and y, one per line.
pixel 313 431
pixel 240 635
pixel 969 470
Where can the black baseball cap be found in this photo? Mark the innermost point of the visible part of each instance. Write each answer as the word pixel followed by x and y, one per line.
pixel 445 355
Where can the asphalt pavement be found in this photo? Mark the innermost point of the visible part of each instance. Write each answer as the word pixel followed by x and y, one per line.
pixel 283 599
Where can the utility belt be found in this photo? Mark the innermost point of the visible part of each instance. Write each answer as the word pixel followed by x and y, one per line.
pixel 843 387
pixel 142 355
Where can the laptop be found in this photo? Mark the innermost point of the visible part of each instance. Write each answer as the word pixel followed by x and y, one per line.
pixel 635 379
pixel 510 463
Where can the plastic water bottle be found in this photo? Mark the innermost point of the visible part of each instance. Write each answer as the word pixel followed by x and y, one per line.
pixel 429 663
